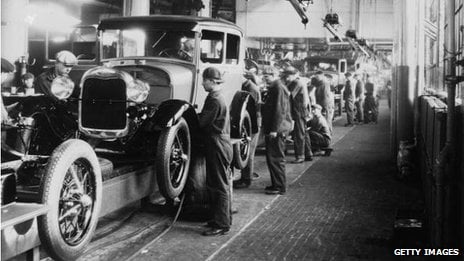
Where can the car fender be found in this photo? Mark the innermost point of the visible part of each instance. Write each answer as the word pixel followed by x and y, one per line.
pixel 241 102
pixel 169 113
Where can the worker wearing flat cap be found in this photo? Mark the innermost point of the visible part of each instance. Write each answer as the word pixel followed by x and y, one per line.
pixel 277 124
pixel 214 122
pixel 64 62
pixel 348 96
pixel 299 101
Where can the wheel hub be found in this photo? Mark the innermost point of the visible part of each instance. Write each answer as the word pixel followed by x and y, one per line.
pixel 86 201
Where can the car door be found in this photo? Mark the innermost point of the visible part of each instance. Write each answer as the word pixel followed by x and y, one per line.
pixel 223 50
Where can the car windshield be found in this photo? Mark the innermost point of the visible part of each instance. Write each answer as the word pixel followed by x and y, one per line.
pixel 157 43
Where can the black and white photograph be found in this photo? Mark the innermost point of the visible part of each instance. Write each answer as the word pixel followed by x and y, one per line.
pixel 204 130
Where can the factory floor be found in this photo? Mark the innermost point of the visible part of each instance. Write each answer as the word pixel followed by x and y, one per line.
pixel 348 206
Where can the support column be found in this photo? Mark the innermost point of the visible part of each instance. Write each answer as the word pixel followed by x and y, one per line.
pixel 14 29
pixel 405 67
pixel 136 7
pixel 206 12
pixel 241 15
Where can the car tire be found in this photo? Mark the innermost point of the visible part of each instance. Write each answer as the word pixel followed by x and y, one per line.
pixel 242 148
pixel 173 159
pixel 72 189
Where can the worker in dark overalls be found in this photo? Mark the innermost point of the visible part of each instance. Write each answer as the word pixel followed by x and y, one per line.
pixel 299 104
pixel 214 122
pixel 348 96
pixel 277 124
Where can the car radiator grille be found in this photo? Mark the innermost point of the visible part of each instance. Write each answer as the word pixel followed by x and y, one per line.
pixel 103 104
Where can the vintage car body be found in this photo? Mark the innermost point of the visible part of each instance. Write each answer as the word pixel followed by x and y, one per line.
pixel 136 127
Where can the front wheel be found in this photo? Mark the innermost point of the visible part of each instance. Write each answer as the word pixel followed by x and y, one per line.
pixel 242 148
pixel 173 159
pixel 72 189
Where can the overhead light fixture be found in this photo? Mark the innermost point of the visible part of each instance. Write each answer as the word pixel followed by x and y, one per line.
pixel 331 22
pixel 332 19
pixel 362 42
pixel 351 34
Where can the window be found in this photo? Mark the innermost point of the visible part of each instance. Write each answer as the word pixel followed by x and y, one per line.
pixel 433 65
pixel 459 33
pixel 153 43
pixel 233 49
pixel 212 47
pixel 58 41
pixel 82 42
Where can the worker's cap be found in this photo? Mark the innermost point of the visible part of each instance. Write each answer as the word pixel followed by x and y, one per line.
pixel 213 73
pixel 27 76
pixel 67 58
pixel 316 106
pixel 314 81
pixel 249 73
pixel 290 70
pixel 269 70
pixel 252 66
pixel 7 67
pixel 348 74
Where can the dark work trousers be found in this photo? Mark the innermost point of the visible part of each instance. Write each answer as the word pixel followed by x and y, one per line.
pixel 371 110
pixel 275 159
pixel 247 172
pixel 218 158
pixel 329 115
pixel 318 140
pixel 349 107
pixel 359 110
pixel 301 142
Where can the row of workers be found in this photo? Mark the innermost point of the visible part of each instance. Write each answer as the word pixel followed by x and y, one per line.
pixel 286 110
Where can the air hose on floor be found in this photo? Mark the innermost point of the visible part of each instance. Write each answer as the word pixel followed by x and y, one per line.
pixel 146 246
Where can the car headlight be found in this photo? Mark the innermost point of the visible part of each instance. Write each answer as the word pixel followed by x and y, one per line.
pixel 138 91
pixel 62 87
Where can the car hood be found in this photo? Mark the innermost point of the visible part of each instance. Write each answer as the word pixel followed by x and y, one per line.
pixel 179 72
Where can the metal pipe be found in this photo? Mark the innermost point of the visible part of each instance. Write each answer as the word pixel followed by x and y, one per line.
pixel 333 31
pixel 300 11
pixel 447 154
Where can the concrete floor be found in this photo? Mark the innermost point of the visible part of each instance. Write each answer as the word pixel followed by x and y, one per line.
pixel 341 207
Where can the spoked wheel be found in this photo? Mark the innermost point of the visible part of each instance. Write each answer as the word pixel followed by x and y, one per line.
pixel 173 159
pixel 71 188
pixel 242 149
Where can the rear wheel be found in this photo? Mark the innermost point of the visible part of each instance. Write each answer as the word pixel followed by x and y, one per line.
pixel 173 159
pixel 242 148
pixel 72 189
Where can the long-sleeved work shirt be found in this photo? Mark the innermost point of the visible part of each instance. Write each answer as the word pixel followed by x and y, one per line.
pixel 276 110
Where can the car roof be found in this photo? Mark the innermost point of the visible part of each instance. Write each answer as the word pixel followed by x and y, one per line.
pixel 164 21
